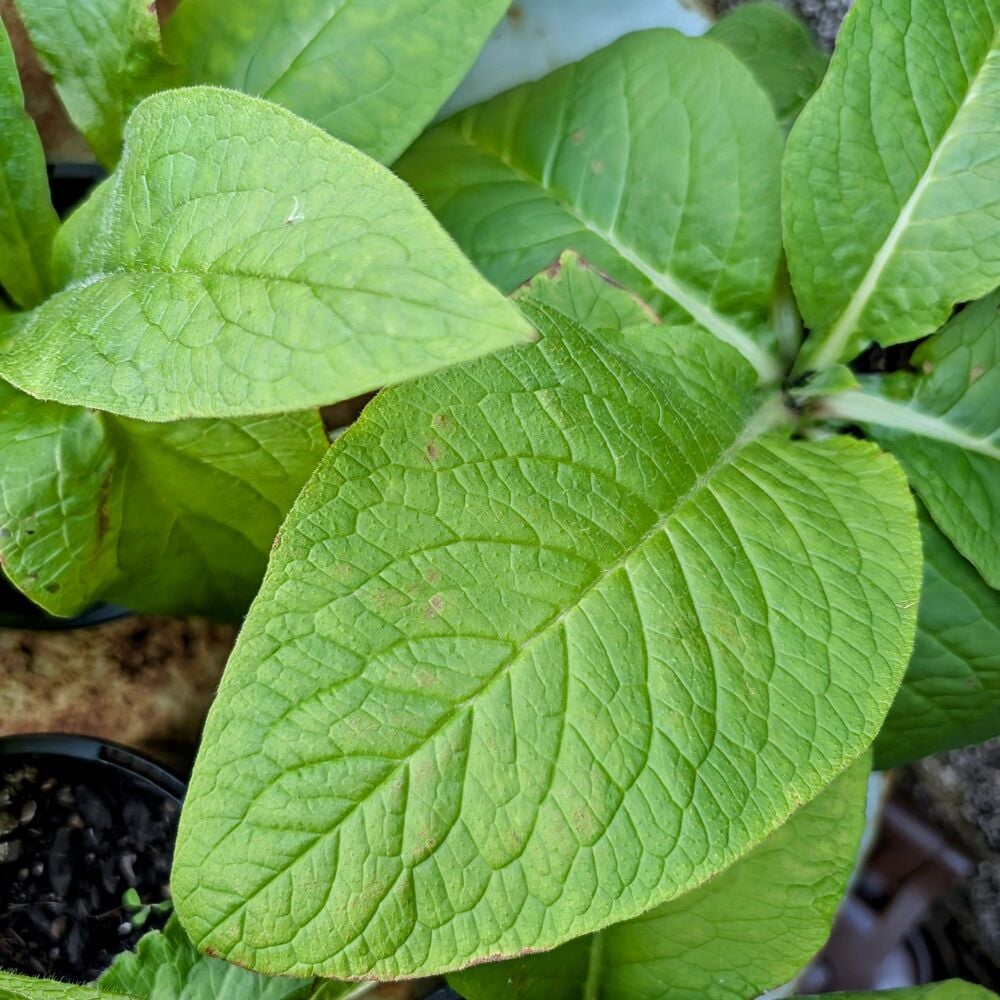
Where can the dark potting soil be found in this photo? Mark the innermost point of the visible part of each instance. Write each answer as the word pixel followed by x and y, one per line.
pixel 74 836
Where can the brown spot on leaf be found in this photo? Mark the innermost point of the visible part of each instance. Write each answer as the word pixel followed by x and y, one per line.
pixel 434 606
pixel 976 374
pixel 927 367
pixel 433 451
pixel 578 136
pixel 441 420
pixel 597 166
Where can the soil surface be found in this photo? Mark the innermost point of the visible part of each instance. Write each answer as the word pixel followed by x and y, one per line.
pixel 74 836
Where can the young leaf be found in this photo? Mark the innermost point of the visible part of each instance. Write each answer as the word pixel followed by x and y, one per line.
pixel 369 72
pixel 104 56
pixel 780 52
pixel 599 304
pixel 174 518
pixel 28 222
pixel 952 989
pixel 166 966
pixel 748 930
pixel 587 296
pixel 943 423
pixel 656 158
pixel 891 176
pixel 547 641
pixel 241 261
pixel 950 695
pixel 14 987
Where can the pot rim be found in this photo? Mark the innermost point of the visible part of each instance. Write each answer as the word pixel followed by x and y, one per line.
pixel 106 753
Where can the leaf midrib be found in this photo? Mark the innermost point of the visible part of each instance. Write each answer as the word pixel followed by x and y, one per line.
pixel 756 424
pixel 99 277
pixel 669 284
pixel 869 408
pixel 846 324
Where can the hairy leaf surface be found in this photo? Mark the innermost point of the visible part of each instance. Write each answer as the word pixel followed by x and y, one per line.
pixel 28 222
pixel 13 987
pixel 950 695
pixel 778 49
pixel 166 966
pixel 369 72
pixel 241 261
pixel 892 174
pixel 104 56
pixel 943 423
pixel 547 641
pixel 747 931
pixel 656 158
pixel 173 518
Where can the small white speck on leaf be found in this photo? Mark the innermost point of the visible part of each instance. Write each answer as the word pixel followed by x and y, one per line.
pixel 295 215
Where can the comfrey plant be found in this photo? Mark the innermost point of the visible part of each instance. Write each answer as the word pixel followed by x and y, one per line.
pixel 565 671
pixel 268 243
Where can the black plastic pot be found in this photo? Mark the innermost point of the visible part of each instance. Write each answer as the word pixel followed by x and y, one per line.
pixel 82 821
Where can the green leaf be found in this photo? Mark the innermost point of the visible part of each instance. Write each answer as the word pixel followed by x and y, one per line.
pixel 174 518
pixel 950 695
pixel 780 52
pixel 891 176
pixel 592 299
pixel 166 966
pixel 369 72
pixel 952 989
pixel 14 987
pixel 599 304
pixel 657 159
pixel 549 639
pixel 943 423
pixel 28 222
pixel 104 56
pixel 241 261
pixel 748 930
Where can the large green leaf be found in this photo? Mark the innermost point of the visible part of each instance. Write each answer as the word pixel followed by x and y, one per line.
pixel 172 518
pixel 166 966
pixel 372 73
pixel 14 987
pixel 656 158
pixel 104 56
pixel 950 696
pixel 745 932
pixel 942 421
pixel 778 49
pixel 549 639
pixel 892 174
pixel 242 261
pixel 952 989
pixel 28 222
